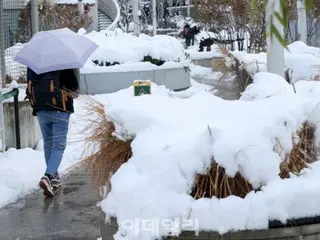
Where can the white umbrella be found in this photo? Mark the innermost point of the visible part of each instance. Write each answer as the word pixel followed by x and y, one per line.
pixel 56 50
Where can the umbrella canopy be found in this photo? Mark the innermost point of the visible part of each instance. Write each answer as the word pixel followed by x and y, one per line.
pixel 56 50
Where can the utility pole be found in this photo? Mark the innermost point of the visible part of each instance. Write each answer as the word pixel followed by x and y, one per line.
pixel 136 16
pixel 2 46
pixel 275 50
pixel 34 17
pixel 154 17
pixel 302 21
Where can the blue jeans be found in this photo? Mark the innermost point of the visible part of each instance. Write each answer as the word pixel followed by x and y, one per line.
pixel 54 128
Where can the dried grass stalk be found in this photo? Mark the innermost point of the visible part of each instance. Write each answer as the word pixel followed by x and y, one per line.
pixel 217 184
pixel 302 153
pixel 108 152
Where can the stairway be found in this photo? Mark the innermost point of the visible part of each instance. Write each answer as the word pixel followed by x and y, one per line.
pixel 103 21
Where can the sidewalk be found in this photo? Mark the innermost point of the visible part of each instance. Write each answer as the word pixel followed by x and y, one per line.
pixel 72 215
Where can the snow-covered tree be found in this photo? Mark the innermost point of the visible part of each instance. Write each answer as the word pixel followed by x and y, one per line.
pixel 52 16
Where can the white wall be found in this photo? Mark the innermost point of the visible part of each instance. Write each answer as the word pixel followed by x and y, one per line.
pixel 108 82
pixel 29 128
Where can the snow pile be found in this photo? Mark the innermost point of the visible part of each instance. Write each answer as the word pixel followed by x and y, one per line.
pixel 176 138
pixel 120 47
pixel 14 69
pixel 302 61
pixel 266 85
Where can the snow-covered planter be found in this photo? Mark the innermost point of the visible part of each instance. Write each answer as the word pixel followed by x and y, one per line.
pixel 235 166
pixel 117 47
pixel 14 71
pixel 123 58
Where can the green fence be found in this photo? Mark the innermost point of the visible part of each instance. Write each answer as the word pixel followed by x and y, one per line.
pixel 3 96
pixel 14 18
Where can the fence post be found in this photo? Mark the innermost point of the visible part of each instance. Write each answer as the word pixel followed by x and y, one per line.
pixel 302 21
pixel 16 118
pixel 2 130
pixel 34 17
pixel 2 46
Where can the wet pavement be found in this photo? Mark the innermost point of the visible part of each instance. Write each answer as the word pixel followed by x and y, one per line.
pixel 226 87
pixel 71 215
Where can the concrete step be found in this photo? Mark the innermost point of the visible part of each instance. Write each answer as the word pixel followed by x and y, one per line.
pixel 103 21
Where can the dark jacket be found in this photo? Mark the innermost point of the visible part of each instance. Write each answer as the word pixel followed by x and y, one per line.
pixel 68 81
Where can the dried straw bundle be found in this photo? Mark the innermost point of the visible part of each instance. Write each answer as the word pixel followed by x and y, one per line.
pixel 217 184
pixel 303 152
pixel 108 152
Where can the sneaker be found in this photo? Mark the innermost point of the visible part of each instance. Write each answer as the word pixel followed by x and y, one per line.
pixel 46 186
pixel 56 182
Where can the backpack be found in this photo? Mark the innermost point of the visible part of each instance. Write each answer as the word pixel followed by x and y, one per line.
pixel 45 93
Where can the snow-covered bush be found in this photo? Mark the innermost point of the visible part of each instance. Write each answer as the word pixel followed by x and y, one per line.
pixel 14 70
pixel 234 168
pixel 52 16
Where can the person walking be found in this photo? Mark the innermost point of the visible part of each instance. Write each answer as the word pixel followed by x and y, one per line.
pixel 187 34
pixel 51 96
pixel 195 31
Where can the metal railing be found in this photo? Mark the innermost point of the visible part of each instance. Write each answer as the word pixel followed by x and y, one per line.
pixel 3 96
pixel 12 25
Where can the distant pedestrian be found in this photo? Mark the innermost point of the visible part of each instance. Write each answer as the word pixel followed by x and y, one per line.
pixel 51 96
pixel 187 34
pixel 194 32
